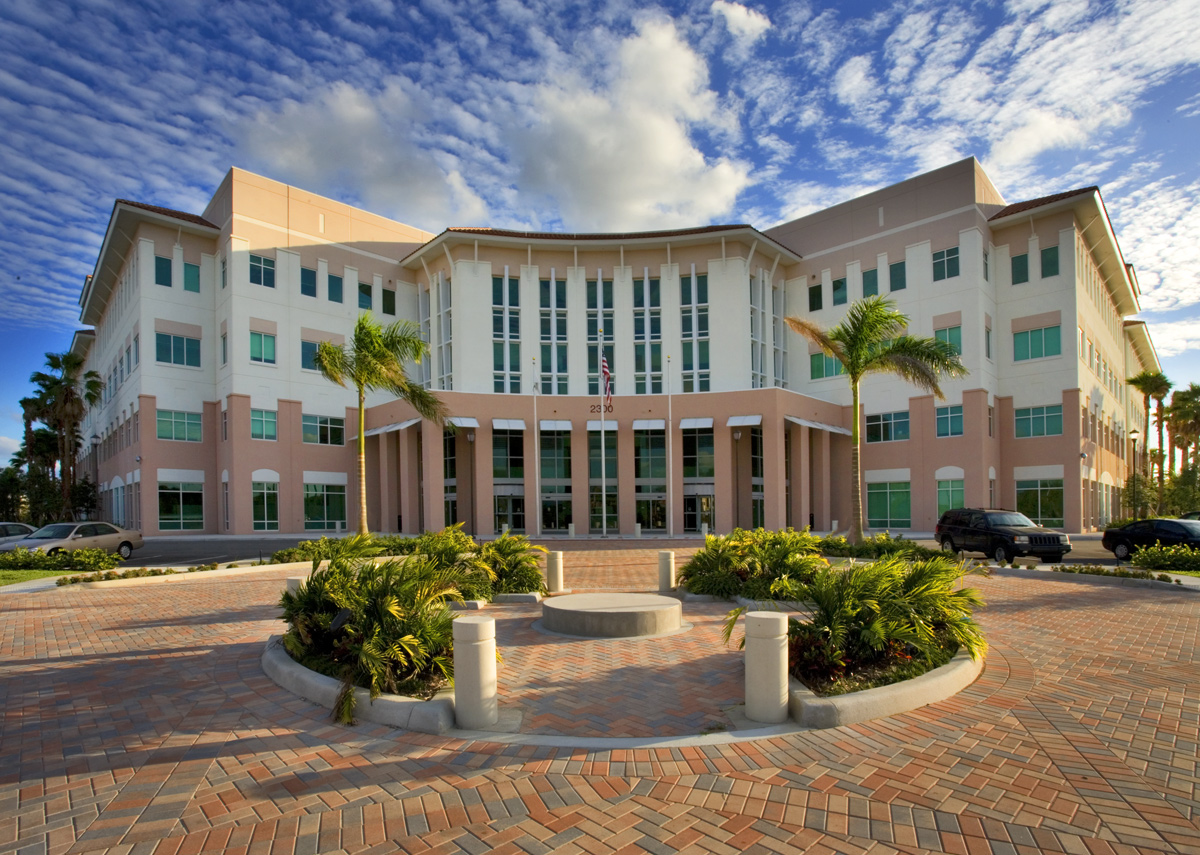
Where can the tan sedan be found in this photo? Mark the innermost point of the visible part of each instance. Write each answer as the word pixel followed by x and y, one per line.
pixel 67 537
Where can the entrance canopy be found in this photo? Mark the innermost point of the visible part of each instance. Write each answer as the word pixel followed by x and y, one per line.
pixel 819 426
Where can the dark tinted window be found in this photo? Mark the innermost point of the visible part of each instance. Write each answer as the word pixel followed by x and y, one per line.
pixel 104 528
pixel 1141 527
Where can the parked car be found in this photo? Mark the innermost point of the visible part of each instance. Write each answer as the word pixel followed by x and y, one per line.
pixel 1190 515
pixel 67 537
pixel 12 532
pixel 1123 540
pixel 999 534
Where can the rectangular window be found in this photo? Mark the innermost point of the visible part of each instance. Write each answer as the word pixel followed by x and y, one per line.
pixel 870 282
pixel 952 336
pixel 887 427
pixel 694 344
pixel 814 297
pixel 508 455
pixel 262 348
pixel 602 507
pixel 224 279
pixel 335 288
pixel 761 302
pixel 945 264
pixel 950 421
pixel 162 271
pixel 647 336
pixel 262 271
pixel 224 425
pixel 950 495
pixel 506 333
pixel 1042 501
pixel 308 282
pixel 821 366
pixel 650 478
pixel 553 316
pixel 264 497
pixel 445 333
pixel 987 343
pixel 177 426
pixel 600 331
pixel 991 424
pixel 308 355
pixel 364 296
pixel 224 348
pixel 389 301
pixel 177 350
pixel 889 505
pixel 986 272
pixel 1039 421
pixel 191 277
pixel 324 507
pixel 556 480
pixel 1037 344
pixel 839 292
pixel 263 424
pixel 1050 261
pixel 1020 269
pixel 699 458
pixel 897 276
pixel 323 430
pixel 180 506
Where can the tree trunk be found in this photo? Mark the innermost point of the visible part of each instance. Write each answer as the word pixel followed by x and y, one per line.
pixel 1163 460
pixel 362 462
pixel 856 525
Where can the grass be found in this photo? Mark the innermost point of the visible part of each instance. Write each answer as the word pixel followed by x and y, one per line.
pixel 12 577
pixel 882 674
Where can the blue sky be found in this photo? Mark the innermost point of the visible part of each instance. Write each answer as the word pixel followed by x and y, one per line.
pixel 585 116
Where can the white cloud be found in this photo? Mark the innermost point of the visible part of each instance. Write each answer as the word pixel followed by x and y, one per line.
pixel 1158 226
pixel 745 25
pixel 1173 338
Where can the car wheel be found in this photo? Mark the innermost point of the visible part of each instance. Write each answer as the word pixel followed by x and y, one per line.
pixel 948 545
pixel 54 552
pixel 124 550
pixel 1002 554
pixel 1121 550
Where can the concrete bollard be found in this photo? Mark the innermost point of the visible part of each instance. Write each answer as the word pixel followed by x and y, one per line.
pixel 475 704
pixel 766 667
pixel 571 530
pixel 504 531
pixel 554 572
pixel 704 529
pixel 666 570
pixel 833 527
pixel 637 529
pixel 294 583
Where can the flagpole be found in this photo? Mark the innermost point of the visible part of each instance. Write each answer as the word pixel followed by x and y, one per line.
pixel 600 389
pixel 670 458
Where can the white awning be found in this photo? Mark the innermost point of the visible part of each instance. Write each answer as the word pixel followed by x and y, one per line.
pixel 649 424
pixel 819 425
pixel 594 424
pixel 395 426
pixel 505 424
pixel 692 424
pixel 556 424
pixel 744 421
pixel 463 421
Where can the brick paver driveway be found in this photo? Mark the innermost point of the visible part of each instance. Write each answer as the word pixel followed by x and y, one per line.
pixel 137 720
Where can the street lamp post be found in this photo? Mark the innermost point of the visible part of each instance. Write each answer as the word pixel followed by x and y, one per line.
pixel 1137 475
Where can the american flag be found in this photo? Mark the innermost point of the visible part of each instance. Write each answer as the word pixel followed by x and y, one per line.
pixel 607 378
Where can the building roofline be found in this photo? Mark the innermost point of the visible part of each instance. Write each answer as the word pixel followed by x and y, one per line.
pixel 1139 335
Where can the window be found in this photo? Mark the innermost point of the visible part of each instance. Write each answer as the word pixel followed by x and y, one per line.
pixel 308 355
pixel 602 507
pixel 950 495
pixel 839 292
pixel 952 336
pixel 177 349
pixel 180 506
pixel 181 427
pixel 945 264
pixel 262 348
pixel 1036 344
pixel 647 336
pixel 137 350
pixel 600 331
pixel 889 505
pixel 693 316
pixel 782 334
pixel 191 277
pixel 1050 261
pixel 224 425
pixel 323 430
pixel 264 497
pixel 1039 421
pixel 308 282
pixel 986 272
pixel 987 342
pixel 950 421
pixel 814 297
pixel 224 348
pixel 761 295
pixel 324 506
pixel 556 480
pixel 263 424
pixel 364 296
pixel 991 423
pixel 870 282
pixel 224 279
pixel 389 301
pixel 820 365
pixel 887 427
pixel 1042 501
pixel 506 333
pixel 262 271
pixel 1020 269
pixel 897 276
pixel 650 478
pixel 162 271
pixel 445 334
pixel 335 288
pixel 508 454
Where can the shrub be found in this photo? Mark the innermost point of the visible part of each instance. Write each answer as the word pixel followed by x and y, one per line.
pixel 1167 559
pixel 748 563
pixel 78 561
pixel 876 546
pixel 1121 572
pixel 514 564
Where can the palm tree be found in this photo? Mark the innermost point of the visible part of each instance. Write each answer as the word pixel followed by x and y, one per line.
pixel 870 340
pixel 1183 417
pixel 1154 384
pixel 65 392
pixel 375 359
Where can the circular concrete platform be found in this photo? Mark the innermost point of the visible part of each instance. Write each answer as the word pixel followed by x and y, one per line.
pixel 612 615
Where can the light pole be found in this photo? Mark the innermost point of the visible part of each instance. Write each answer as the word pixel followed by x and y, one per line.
pixel 1137 475
pixel 737 493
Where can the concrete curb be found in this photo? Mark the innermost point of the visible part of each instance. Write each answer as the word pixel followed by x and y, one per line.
pixel 183 575
pixel 435 716
pixel 809 710
pixel 1092 579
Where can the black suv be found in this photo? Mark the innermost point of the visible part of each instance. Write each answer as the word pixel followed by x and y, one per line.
pixel 1002 535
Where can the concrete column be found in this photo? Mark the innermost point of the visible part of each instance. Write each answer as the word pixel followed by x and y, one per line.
pixel 666 570
pixel 766 667
pixel 802 477
pixel 294 583
pixel 387 482
pixel 475 704
pixel 554 572
pixel 824 500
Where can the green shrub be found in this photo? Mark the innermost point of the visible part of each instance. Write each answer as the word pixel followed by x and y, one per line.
pixel 877 546
pixel 78 561
pixel 1167 559
pixel 514 563
pixel 746 563
pixel 1121 572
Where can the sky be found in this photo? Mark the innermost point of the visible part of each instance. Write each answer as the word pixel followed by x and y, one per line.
pixel 598 116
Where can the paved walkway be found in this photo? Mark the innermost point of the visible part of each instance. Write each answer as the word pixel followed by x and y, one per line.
pixel 138 720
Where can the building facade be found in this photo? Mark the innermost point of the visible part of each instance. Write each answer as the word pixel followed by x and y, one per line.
pixel 216 421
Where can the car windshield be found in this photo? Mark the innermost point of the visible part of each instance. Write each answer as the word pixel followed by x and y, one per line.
pixel 1011 518
pixel 1192 527
pixel 52 532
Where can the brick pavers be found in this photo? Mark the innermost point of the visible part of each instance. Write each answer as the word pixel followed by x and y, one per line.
pixel 137 720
